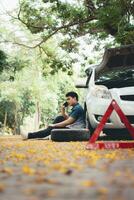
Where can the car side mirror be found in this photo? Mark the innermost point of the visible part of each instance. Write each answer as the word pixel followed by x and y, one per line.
pixel 81 83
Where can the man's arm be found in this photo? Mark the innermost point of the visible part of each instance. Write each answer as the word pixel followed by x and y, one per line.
pixel 66 122
pixel 63 112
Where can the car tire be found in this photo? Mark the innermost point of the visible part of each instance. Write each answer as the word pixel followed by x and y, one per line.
pixel 88 124
pixel 67 135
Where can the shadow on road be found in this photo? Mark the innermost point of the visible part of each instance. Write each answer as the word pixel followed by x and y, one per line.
pixel 116 135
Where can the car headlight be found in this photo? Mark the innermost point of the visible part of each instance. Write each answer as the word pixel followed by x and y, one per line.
pixel 101 91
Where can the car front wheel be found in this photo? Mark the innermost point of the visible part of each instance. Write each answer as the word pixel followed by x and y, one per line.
pixel 88 124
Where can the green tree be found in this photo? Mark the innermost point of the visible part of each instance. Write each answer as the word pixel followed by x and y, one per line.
pixel 76 18
pixel 31 93
pixel 3 61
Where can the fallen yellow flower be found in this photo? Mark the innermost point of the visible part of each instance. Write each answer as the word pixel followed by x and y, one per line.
pixel 88 183
pixel 28 170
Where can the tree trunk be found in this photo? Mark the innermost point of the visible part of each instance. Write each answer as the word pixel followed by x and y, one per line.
pixel 15 121
pixel 37 117
pixel 5 120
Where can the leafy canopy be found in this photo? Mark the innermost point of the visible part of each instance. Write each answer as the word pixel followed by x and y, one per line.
pixel 76 18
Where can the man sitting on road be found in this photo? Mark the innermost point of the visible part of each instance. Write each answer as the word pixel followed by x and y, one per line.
pixel 74 120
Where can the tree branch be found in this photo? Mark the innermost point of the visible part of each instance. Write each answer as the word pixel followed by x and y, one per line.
pixel 90 6
pixel 50 35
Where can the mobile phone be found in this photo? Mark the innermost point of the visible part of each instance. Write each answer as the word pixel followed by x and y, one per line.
pixel 65 104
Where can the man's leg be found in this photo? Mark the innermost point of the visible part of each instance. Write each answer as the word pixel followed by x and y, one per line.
pixel 47 131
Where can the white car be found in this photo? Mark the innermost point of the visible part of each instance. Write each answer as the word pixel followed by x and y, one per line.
pixel 112 79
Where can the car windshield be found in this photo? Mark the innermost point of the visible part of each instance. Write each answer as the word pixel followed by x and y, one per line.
pixel 117 77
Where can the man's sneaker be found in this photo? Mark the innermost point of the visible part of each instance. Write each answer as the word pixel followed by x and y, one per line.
pixel 24 135
pixel 45 138
pixel 48 137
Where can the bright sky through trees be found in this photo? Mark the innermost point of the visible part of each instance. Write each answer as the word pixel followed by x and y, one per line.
pixel 8 4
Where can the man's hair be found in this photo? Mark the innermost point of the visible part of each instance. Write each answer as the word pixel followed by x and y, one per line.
pixel 72 94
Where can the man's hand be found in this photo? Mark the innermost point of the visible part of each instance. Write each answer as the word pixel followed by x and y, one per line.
pixel 63 109
pixel 63 112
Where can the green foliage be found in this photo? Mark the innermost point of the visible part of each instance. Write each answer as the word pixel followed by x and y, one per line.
pixel 19 98
pixel 114 17
pixel 68 12
pixel 10 66
pixel 9 107
pixel 55 65
pixel 36 16
pixel 17 63
pixel 3 60
pixel 53 59
pixel 69 45
pixel 27 106
pixel 79 18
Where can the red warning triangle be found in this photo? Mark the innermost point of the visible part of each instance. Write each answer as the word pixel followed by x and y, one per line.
pixel 111 145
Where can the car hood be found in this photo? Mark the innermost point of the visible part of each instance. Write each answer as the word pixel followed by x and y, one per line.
pixel 116 58
pixel 116 69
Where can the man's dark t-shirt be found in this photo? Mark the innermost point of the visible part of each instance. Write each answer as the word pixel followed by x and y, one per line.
pixel 78 114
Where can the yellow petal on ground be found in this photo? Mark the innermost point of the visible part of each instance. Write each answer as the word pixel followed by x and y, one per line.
pixel 88 183
pixel 31 151
pixel 18 156
pixel 28 170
